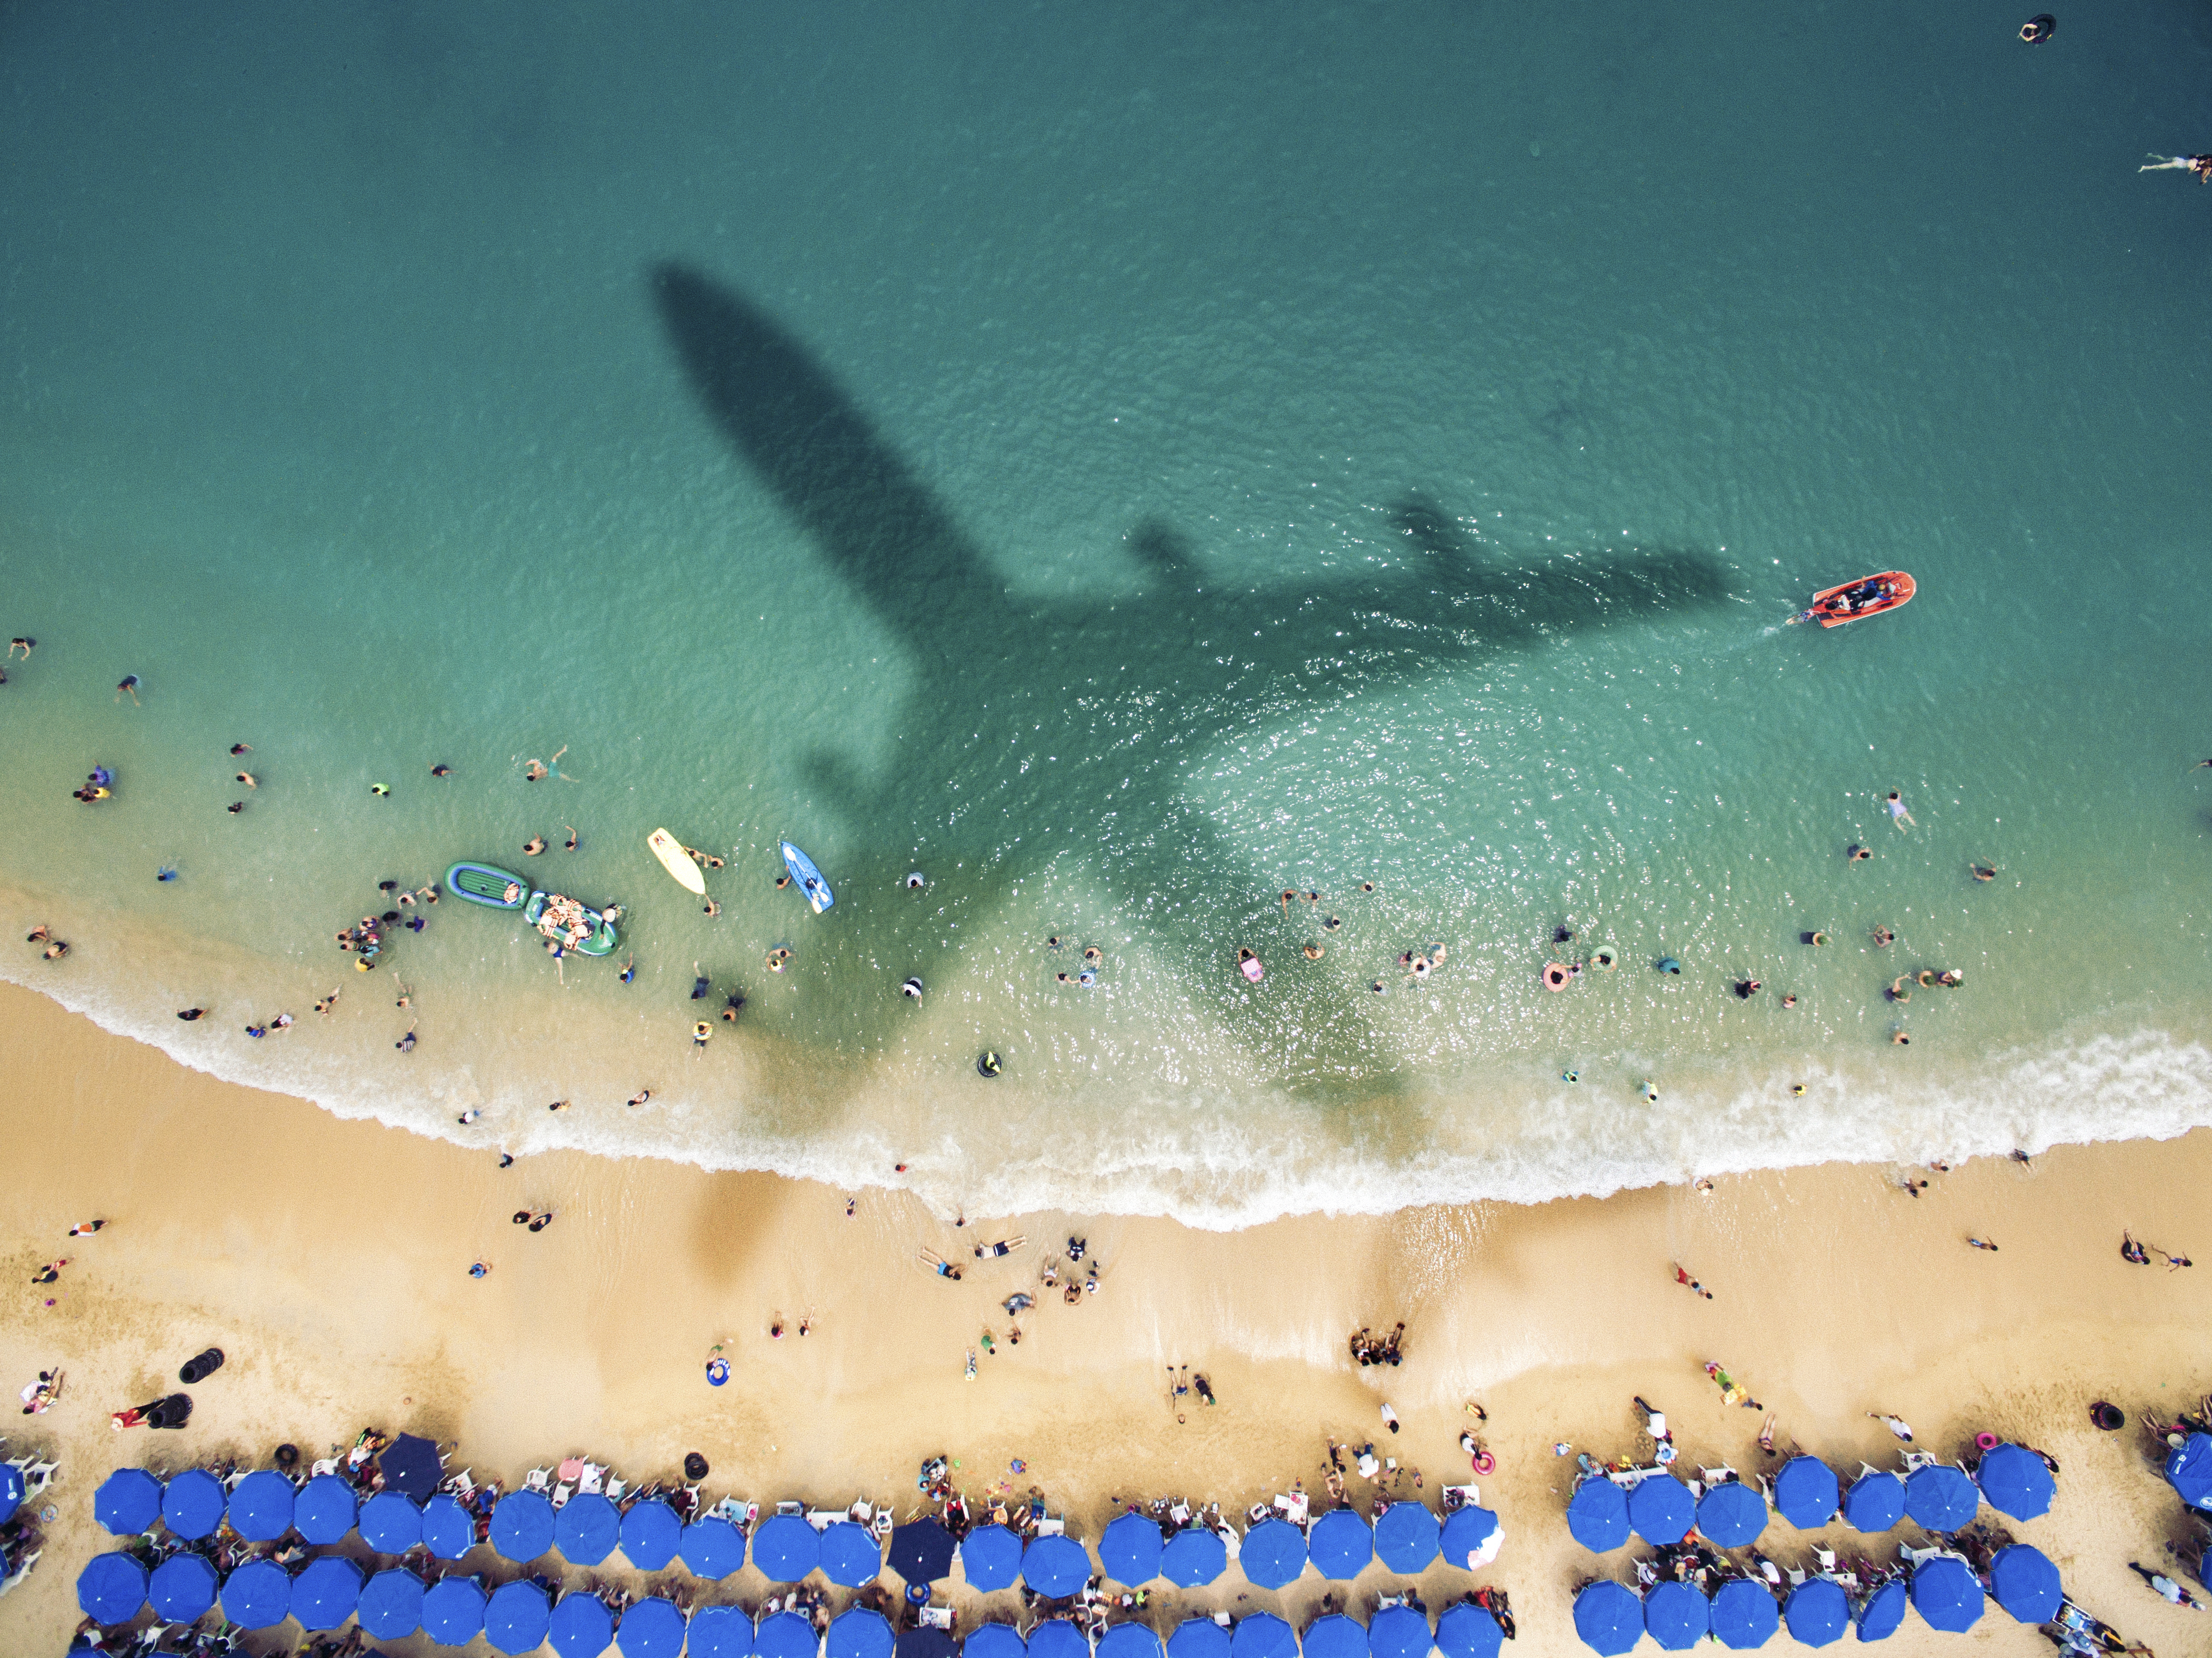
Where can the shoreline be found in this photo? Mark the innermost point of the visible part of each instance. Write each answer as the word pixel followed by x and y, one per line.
pixel 761 1102
pixel 327 1256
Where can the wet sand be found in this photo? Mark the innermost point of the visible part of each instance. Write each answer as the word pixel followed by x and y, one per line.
pixel 329 1259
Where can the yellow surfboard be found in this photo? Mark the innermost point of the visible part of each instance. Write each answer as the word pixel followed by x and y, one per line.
pixel 678 862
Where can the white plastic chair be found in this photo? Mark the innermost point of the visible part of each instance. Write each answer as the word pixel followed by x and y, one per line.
pixel 38 1477
pixel 562 1493
pixel 328 1465
pixel 594 1478
pixel 797 1510
pixel 1180 1513
pixel 1827 1557
pixel 881 1525
pixel 615 1488
pixel 1916 1461
pixel 1294 1507
pixel 537 1479
pixel 1049 1526
pixel 823 1518
pixel 937 1617
pixel 460 1485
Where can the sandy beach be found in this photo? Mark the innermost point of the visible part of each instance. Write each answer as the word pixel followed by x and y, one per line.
pixel 329 1259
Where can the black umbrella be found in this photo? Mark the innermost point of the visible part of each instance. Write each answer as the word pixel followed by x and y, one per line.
pixel 924 1642
pixel 921 1552
pixel 411 1467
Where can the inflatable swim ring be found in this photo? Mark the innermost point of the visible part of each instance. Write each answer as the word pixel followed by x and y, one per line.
pixel 1248 965
pixel 1604 959
pixel 1555 976
pixel 1484 1462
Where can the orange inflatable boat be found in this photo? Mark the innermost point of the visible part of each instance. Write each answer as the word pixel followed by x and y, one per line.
pixel 1855 600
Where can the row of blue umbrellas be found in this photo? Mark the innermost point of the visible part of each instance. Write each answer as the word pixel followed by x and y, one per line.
pixel 588 1527
pixel 519 1618
pixel 1661 1508
pixel 1742 1614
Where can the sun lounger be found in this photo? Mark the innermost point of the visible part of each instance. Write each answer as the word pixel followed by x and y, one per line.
pixel 1293 1508
pixel 1916 1461
pixel 1460 1496
pixel 823 1518
pixel 796 1510
pixel 937 1617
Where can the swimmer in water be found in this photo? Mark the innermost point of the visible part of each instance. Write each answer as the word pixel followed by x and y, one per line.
pixel 406 1043
pixel 248 779
pixel 711 909
pixel 1897 992
pixel 235 807
pixel 1314 952
pixel 1747 989
pixel 1900 1039
pixel 237 749
pixel 629 970
pixel 1883 938
pixel 730 1006
pixel 1898 815
pixel 698 982
pixel 1857 854
pixel 1331 923
pixel 533 845
pixel 167 872
pixel 441 771
pixel 1092 953
pixel 781 882
pixel 1989 871
pixel 129 684
pixel 2198 165
pixel 1286 901
pixel 379 788
pixel 1367 886
pixel 571 843
pixel 22 645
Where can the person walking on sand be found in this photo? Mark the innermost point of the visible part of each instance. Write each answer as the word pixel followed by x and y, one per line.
pixel 1898 815
pixel 1896 1424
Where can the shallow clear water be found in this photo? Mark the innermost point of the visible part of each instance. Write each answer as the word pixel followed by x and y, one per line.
pixel 1123 467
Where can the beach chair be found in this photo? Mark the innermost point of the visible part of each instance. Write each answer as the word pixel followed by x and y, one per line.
pixel 460 1485
pixel 1255 1513
pixel 880 1527
pixel 1825 1557
pixel 795 1510
pixel 562 1493
pixel 1294 1508
pixel 594 1477
pixel 615 1488
pixel 861 1512
pixel 1180 1513
pixel 38 1477
pixel 1052 1527
pixel 1384 1602
pixel 1916 1461
pixel 536 1479
pixel 752 1514
pixel 328 1465
pixel 728 1508
pixel 823 1518
pixel 1720 1476
pixel 937 1617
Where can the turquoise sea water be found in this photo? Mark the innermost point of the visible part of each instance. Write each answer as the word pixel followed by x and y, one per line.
pixel 1122 467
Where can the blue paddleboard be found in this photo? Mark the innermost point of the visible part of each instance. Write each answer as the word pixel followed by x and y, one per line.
pixel 807 878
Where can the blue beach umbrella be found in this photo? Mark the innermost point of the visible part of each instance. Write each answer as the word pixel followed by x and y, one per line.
pixel 786 1635
pixel 1468 1631
pixel 858 1633
pixel 411 1464
pixel 581 1626
pixel 324 1510
pixel 651 1627
pixel 181 1588
pixel 1334 1636
pixel 1196 1638
pixel 1608 1618
pixel 326 1592
pixel 1341 1543
pixel 587 1528
pixel 129 1501
pixel 1946 1595
pixel 1881 1614
pixel 1745 1615
pixel 454 1610
pixel 1676 1616
pixel 2015 1482
pixel 1597 1515
pixel 449 1531
pixel 990 1558
pixel 390 1523
pixel 2025 1583
pixel 1806 1493
pixel 2189 1470
pixel 1257 1635
pixel 1004 1641
pixel 1399 1632
pixel 11 1491
pixel 1662 1509
pixel 718 1632
pixel 1940 1498
pixel 1194 1558
pixel 257 1595
pixel 923 1642
pixel 1129 1550
pixel 713 1548
pixel 1058 1638
pixel 1875 1503
pixel 1406 1537
pixel 1129 1641
pixel 391 1604
pixel 650 1534
pixel 785 1549
pixel 516 1618
pixel 921 1552
pixel 1054 1566
pixel 1731 1515
pixel 1274 1554
pixel 1466 1532
pixel 850 1555
pixel 261 1506
pixel 1818 1612
pixel 110 1589
pixel 193 1504
pixel 522 1525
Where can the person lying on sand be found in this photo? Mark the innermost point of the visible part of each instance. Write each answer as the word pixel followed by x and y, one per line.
pixel 1003 1247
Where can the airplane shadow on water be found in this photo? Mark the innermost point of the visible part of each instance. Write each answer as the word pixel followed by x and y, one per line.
pixel 1124 690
